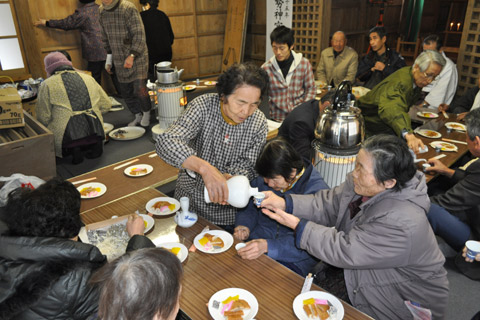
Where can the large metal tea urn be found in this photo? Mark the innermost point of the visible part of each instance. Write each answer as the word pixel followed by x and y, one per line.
pixel 339 133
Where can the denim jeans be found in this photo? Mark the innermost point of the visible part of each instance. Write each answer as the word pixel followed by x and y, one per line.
pixel 449 227
pixel 136 96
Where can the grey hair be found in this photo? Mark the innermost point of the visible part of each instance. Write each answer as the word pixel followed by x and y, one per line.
pixel 340 31
pixel 472 120
pixel 425 58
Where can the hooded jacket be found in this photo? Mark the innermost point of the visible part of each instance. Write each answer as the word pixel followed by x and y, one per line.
pixel 388 250
pixel 47 278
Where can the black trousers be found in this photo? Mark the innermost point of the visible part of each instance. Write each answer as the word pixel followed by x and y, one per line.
pixel 96 68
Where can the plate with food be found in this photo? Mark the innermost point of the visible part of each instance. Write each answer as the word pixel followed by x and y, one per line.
pixel 92 190
pixel 210 83
pixel 149 222
pixel 213 241
pixel 233 303
pixel 107 127
pixel 176 248
pixel 444 146
pixel 322 304
pixel 427 114
pixel 127 133
pixel 138 170
pixel 455 126
pixel 432 134
pixel 162 206
pixel 190 87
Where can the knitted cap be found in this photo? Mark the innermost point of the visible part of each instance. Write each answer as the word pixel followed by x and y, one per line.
pixel 54 60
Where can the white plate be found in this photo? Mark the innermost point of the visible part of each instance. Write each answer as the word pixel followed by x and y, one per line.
pixel 107 127
pixel 150 222
pixel 224 235
pixel 157 212
pixel 445 146
pixel 128 170
pixel 127 133
pixel 182 255
pixel 210 83
pixel 96 185
pixel 230 292
pixel 298 304
pixel 427 114
pixel 432 134
pixel 190 87
pixel 456 126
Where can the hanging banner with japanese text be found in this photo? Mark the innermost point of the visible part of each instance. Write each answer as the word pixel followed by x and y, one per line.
pixel 279 12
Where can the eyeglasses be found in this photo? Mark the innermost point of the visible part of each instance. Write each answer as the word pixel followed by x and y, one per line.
pixel 280 48
pixel 429 76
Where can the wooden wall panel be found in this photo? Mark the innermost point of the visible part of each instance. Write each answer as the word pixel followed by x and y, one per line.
pixel 210 64
pixel 209 5
pixel 182 26
pixel 177 7
pixel 208 45
pixel 256 29
pixel 211 24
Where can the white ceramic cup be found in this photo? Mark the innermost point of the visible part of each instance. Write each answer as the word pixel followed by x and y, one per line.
pixel 240 245
pixel 473 248
pixel 258 198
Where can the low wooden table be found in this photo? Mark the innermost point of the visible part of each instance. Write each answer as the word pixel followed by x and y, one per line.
pixel 274 285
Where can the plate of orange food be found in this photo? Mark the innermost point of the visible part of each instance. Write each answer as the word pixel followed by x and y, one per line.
pixel 233 303
pixel 210 83
pixel 213 241
pixel 444 146
pixel 318 305
pixel 162 206
pixel 138 170
pixel 190 87
pixel 426 114
pixel 176 248
pixel 455 126
pixel 148 221
pixel 92 190
pixel 432 134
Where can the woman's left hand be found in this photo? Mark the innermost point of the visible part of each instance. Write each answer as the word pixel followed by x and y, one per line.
pixel 282 217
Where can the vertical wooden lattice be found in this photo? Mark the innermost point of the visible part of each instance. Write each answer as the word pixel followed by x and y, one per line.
pixel 307 24
pixel 468 63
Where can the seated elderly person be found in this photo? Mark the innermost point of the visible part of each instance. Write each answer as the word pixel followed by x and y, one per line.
pixel 385 107
pixel 455 214
pixel 45 270
pixel 70 104
pixel 218 136
pixel 374 226
pixel 282 170
pixel 143 284
pixel 338 62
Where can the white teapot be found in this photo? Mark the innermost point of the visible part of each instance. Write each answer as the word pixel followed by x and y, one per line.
pixel 185 218
pixel 239 191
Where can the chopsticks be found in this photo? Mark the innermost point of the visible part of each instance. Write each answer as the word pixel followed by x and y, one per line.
pixel 307 284
pixel 445 114
pixel 125 164
pixel 440 156
pixel 84 180
pixel 153 155
pixel 454 141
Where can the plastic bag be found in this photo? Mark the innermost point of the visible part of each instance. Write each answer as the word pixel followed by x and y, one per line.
pixel 418 312
pixel 17 180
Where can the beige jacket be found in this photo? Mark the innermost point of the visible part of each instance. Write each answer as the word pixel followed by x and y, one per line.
pixel 344 67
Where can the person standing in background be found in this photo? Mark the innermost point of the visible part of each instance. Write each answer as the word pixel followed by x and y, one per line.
pixel 85 19
pixel 123 36
pixel 159 34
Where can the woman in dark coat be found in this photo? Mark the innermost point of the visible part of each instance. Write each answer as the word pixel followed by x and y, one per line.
pixel 44 270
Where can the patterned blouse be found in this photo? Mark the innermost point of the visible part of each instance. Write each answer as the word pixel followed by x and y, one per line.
pixel 202 131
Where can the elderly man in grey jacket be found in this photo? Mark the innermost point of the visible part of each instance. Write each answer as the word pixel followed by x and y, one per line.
pixel 373 226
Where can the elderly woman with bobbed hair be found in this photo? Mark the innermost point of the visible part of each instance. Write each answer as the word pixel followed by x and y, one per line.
pixel 218 136
pixel 374 227
pixel 283 171
pixel 143 284
pixel 44 269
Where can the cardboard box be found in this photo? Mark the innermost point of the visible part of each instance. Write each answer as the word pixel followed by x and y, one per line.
pixel 11 111
pixel 30 107
pixel 29 150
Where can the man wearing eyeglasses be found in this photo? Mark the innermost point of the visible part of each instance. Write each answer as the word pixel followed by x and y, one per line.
pixel 385 107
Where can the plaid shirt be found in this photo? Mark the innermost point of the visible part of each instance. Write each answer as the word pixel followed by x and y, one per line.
pixel 86 19
pixel 298 87
pixel 123 34
pixel 201 131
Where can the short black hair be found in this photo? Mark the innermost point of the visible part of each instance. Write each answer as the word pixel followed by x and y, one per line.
pixel 242 74
pixel 152 3
pixel 66 54
pixel 379 30
pixel 51 210
pixel 472 121
pixel 281 35
pixel 434 38
pixel 278 158
pixel 391 159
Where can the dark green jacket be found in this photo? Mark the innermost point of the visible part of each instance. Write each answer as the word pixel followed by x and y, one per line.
pixel 385 107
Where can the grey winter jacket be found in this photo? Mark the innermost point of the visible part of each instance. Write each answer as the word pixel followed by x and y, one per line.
pixel 388 250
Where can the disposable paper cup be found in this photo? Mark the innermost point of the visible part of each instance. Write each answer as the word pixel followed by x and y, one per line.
pixel 258 198
pixel 240 245
pixel 473 248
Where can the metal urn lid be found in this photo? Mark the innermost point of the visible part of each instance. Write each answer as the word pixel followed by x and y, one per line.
pixel 341 125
